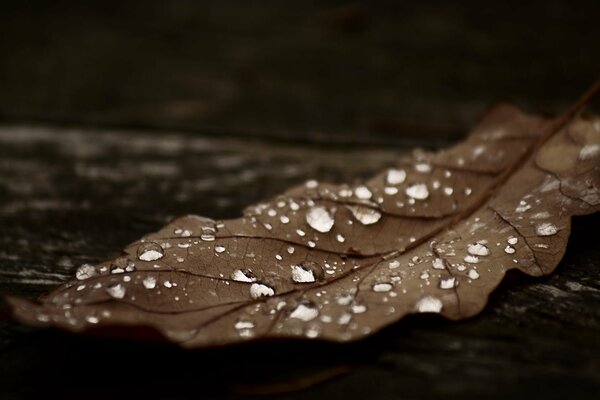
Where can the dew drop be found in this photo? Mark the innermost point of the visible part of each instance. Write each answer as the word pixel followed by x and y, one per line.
pixel 417 191
pixel 149 282
pixel 219 248
pixel 300 274
pixel 243 275
pixel 242 324
pixel 438 263
pixel 363 192
pixel 85 271
pixel 429 304
pixel 116 291
pixel 305 312
pixel 291 250
pixel 423 168
pixel 473 274
pixel 396 176
pixel 478 249
pixel 546 229
pixel 258 290
pixel 365 215
pixel 394 264
pixel 92 319
pixel 513 240
pixel 359 309
pixel 284 219
pixel 447 283
pixel 471 259
pixel 390 190
pixel 382 287
pixel 509 249
pixel 320 219
pixel 448 191
pixel 340 238
pixel 150 252
pixel 208 233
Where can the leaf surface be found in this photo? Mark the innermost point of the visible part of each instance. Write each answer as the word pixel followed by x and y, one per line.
pixel 434 233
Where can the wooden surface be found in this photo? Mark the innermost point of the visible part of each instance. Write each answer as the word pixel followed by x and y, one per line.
pixel 233 104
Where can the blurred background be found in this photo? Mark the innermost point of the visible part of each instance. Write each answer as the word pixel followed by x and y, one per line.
pixel 331 71
pixel 116 116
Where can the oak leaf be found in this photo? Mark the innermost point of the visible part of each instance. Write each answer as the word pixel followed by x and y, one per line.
pixel 435 233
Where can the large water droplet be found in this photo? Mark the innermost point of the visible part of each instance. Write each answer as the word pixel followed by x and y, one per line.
pixel 117 291
pixel 396 176
pixel 243 275
pixel 429 304
pixel 208 233
pixel 473 274
pixel 478 249
pixel 258 290
pixel 150 252
pixel 471 259
pixel 546 229
pixel 509 249
pixel 438 263
pixel 85 271
pixel 300 274
pixel 365 215
pixel 149 282
pixel 417 191
pixel 320 219
pixel 305 312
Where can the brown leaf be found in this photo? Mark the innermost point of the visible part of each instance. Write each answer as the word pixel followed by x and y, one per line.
pixel 435 233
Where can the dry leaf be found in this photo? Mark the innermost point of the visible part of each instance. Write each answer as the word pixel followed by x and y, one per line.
pixel 435 233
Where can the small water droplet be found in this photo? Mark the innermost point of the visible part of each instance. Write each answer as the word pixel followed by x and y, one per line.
pixel 471 259
pixel 546 229
pixel 382 287
pixel 340 238
pixel 390 190
pixel 509 249
pixel 219 248
pixel 396 176
pixel 417 191
pixel 447 283
pixel 365 215
pixel 149 282
pixel 311 184
pixel 258 290
pixel 92 319
pixel 473 274
pixel 85 271
pixel 448 191
pixel 150 252
pixel 300 232
pixel 305 312
pixel 429 304
pixel 291 250
pixel 394 264
pixel 468 191
pixel 363 192
pixel 513 240
pixel 116 291
pixel 438 263
pixel 243 324
pixel 284 219
pixel 423 168
pixel 358 308
pixel 208 233
pixel 243 275
pixel 478 249
pixel 300 274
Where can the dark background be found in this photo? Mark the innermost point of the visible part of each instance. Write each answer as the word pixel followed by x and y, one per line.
pixel 118 115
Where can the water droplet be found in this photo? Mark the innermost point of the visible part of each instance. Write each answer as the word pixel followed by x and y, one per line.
pixel 92 319
pixel 284 219
pixel 473 274
pixel 311 243
pixel 320 219
pixel 447 283
pixel 363 192
pixel 365 215
pixel 149 282
pixel 522 207
pixel 546 229
pixel 117 291
pixel 448 191
pixel 390 190
pixel 382 287
pixel 300 274
pixel 513 240
pixel 305 312
pixel 438 263
pixel 85 271
pixel 396 176
pixel 291 250
pixel 271 213
pixel 423 168
pixel 243 275
pixel 219 248
pixel 471 259
pixel 424 275
pixel 258 290
pixel 150 252
pixel 478 249
pixel 468 191
pixel 340 238
pixel 509 249
pixel 208 233
pixel 242 324
pixel 300 232
pixel 394 264
pixel 417 191
pixel 429 304
pixel 359 309
pixel 311 184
